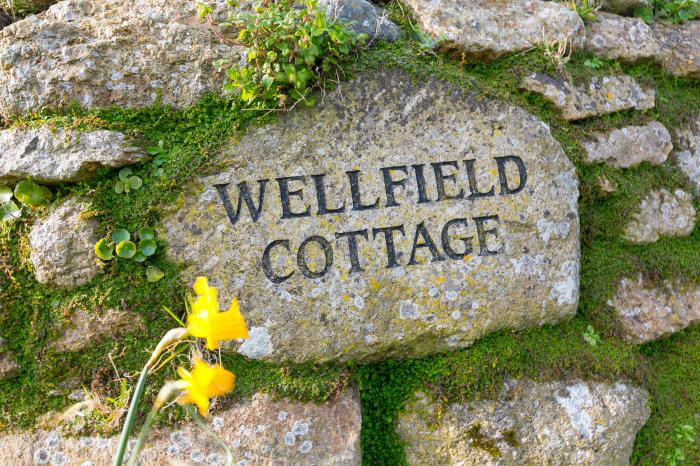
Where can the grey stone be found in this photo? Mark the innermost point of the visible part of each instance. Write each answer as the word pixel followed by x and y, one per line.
pixel 624 39
pixel 62 247
pixel 680 47
pixel 630 146
pixel 255 430
pixel 56 156
pixel 603 95
pixel 493 28
pixel 662 213
pixel 470 284
pixel 109 52
pixel 688 154
pixel 363 17
pixel 623 7
pixel 649 311
pixel 8 365
pixel 577 422
pixel 86 328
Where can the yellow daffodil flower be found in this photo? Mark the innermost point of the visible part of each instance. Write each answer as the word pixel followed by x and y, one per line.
pixel 202 383
pixel 206 321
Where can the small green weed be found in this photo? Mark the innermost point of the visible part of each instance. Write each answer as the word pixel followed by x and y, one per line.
pixel 677 11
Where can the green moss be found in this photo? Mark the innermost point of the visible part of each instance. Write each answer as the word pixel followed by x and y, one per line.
pixel 482 442
pixel 669 369
pixel 511 438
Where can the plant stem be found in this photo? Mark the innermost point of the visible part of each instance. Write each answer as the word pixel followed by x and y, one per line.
pixel 200 422
pixel 130 417
pixel 133 456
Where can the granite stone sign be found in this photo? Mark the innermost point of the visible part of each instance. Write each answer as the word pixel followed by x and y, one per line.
pixel 396 218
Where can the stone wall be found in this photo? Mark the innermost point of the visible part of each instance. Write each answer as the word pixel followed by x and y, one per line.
pixel 480 245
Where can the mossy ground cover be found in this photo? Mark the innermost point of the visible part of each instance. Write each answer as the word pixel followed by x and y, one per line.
pixel 668 369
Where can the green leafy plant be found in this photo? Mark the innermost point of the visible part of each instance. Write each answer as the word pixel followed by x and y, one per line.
pixel 683 437
pixel 160 156
pixel 677 11
pixel 586 9
pixel 26 193
pixel 591 337
pixel 127 181
pixel 593 63
pixel 291 50
pixel 121 243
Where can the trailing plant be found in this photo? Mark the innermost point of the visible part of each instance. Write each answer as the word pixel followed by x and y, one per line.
pixel 292 49
pixel 27 193
pixel 586 9
pixel 591 337
pixel 677 11
pixel 120 242
pixel 160 156
pixel 683 437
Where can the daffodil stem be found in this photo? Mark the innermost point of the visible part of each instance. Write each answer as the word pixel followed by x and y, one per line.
pixel 130 417
pixel 134 454
pixel 200 422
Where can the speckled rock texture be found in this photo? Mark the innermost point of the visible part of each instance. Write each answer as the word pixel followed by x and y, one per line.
pixel 363 17
pixel 630 146
pixel 259 431
pixel 109 52
pixel 688 152
pixel 62 247
pixel 492 28
pixel 572 423
pixel 680 47
pixel 603 95
pixel 662 213
pixel 623 7
pixel 621 38
pixel 674 46
pixel 312 290
pixel 8 363
pixel 649 311
pixel 85 328
pixel 50 156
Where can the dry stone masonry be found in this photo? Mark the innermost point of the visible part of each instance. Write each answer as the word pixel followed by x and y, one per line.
pixel 650 311
pixel 415 232
pixel 688 154
pixel 493 28
pixel 630 146
pixel 51 156
pixel 61 247
pixel 259 431
pixel 579 422
pixel 662 213
pixel 86 328
pixel 111 52
pixel 601 96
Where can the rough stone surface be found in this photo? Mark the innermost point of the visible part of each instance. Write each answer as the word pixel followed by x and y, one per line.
pixel 86 328
pixel 603 95
pixel 441 300
pixel 680 47
pixel 662 213
pixel 58 156
pixel 492 28
pixel 110 52
pixel 259 431
pixel 363 17
pixel 650 311
pixel 623 7
pixel 8 365
pixel 582 423
pixel 688 154
pixel 624 39
pixel 62 247
pixel 630 146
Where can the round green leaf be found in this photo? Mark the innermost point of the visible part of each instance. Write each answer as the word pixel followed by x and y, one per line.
pixel 147 233
pixel 153 274
pixel 134 182
pixel 125 173
pixel 5 194
pixel 104 250
pixel 126 249
pixel 9 211
pixel 139 256
pixel 147 247
pixel 120 235
pixel 118 187
pixel 31 194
